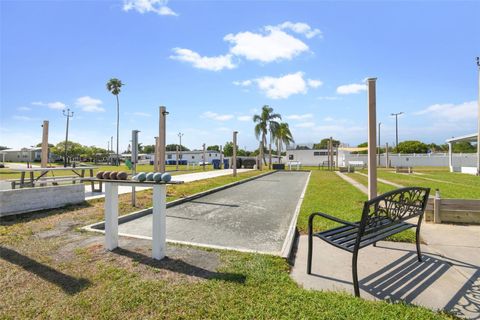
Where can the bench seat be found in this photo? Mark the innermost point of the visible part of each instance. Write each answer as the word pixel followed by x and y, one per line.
pixel 344 237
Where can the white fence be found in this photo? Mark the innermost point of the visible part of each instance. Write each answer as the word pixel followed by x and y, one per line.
pixel 417 160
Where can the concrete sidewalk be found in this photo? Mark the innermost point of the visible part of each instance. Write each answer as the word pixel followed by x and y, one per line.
pixel 447 279
pixel 188 177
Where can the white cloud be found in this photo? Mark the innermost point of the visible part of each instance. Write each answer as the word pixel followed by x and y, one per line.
pixel 284 86
pixel 451 112
pixel 244 118
pixel 328 119
pixel 244 83
pixel 351 88
pixel 301 28
pixel 144 6
pixel 215 63
pixel 273 45
pixel 57 105
pixel 305 125
pixel 299 116
pixel 314 83
pixel 24 109
pixel 216 116
pixel 89 104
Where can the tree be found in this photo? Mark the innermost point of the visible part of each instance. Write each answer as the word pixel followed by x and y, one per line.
pixel 265 123
pixel 283 135
pixel 228 149
pixel 40 144
pixel 3 147
pixel 173 147
pixel 74 149
pixel 412 146
pixel 214 148
pixel 463 147
pixel 114 85
pixel 324 144
pixel 148 149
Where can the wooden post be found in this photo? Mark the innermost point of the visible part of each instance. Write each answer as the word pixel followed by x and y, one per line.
pixel 436 207
pixel 162 139
pixel 372 138
pixel 221 157
pixel 204 158
pixel 159 219
pixel 176 157
pixel 111 216
pixel 44 156
pixel 330 152
pixel 478 128
pixel 234 157
pixel 134 162
pixel 155 163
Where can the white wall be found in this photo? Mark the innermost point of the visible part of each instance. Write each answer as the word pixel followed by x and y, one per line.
pixel 40 198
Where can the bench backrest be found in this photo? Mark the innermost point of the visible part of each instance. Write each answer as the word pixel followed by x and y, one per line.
pixel 392 208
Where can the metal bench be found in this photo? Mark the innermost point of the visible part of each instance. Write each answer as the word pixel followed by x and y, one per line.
pixel 382 217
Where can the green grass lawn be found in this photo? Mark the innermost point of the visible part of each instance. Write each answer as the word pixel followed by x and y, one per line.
pixel 6 173
pixel 330 194
pixel 450 184
pixel 50 269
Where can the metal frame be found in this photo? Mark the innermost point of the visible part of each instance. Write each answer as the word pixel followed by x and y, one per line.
pixel 382 216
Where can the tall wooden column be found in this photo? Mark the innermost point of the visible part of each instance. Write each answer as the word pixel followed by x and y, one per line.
pixel 372 138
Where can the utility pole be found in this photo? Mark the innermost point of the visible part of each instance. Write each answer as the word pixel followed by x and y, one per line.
pixel 478 133
pixel 396 128
pixel 379 148
pixel 180 135
pixel 67 114
pixel 176 158
pixel 234 156
pixel 204 159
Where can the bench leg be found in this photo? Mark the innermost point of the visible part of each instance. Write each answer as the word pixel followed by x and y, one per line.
pixel 354 274
pixel 417 240
pixel 310 248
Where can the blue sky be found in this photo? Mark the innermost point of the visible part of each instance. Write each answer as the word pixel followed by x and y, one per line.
pixel 214 64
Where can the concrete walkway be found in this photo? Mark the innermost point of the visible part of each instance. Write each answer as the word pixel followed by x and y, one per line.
pixel 448 279
pixel 188 177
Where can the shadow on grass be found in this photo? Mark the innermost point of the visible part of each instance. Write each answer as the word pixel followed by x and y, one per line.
pixel 68 284
pixel 179 266
pixel 30 216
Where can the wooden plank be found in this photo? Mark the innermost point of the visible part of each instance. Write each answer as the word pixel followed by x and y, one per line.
pixel 130 182
pixel 460 217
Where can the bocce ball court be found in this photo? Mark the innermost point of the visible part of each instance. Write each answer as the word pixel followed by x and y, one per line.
pixel 256 216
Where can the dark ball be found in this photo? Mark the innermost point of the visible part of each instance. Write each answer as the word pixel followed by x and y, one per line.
pixel 100 174
pixel 122 175
pixel 106 175
pixel 113 175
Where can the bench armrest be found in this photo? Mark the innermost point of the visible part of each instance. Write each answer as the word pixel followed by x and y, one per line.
pixel 329 217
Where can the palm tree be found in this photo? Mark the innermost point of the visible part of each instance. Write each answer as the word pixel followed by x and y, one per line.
pixel 265 122
pixel 283 136
pixel 114 85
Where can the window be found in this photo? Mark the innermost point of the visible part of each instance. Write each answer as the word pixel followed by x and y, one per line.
pixel 316 153
pixel 193 157
pixel 290 157
pixel 169 156
pixel 209 154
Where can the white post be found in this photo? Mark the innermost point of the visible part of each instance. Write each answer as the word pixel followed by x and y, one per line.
pixel 156 155
pixel 159 220
pixel 111 216
pixel 162 139
pixel 372 138
pixel 436 207
pixel 450 157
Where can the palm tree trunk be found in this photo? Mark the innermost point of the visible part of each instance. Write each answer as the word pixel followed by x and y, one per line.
pixel 270 152
pixel 264 143
pixel 278 150
pixel 118 125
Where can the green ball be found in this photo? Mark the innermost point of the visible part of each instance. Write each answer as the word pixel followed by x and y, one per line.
pixel 157 177
pixel 141 177
pixel 150 176
pixel 166 177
